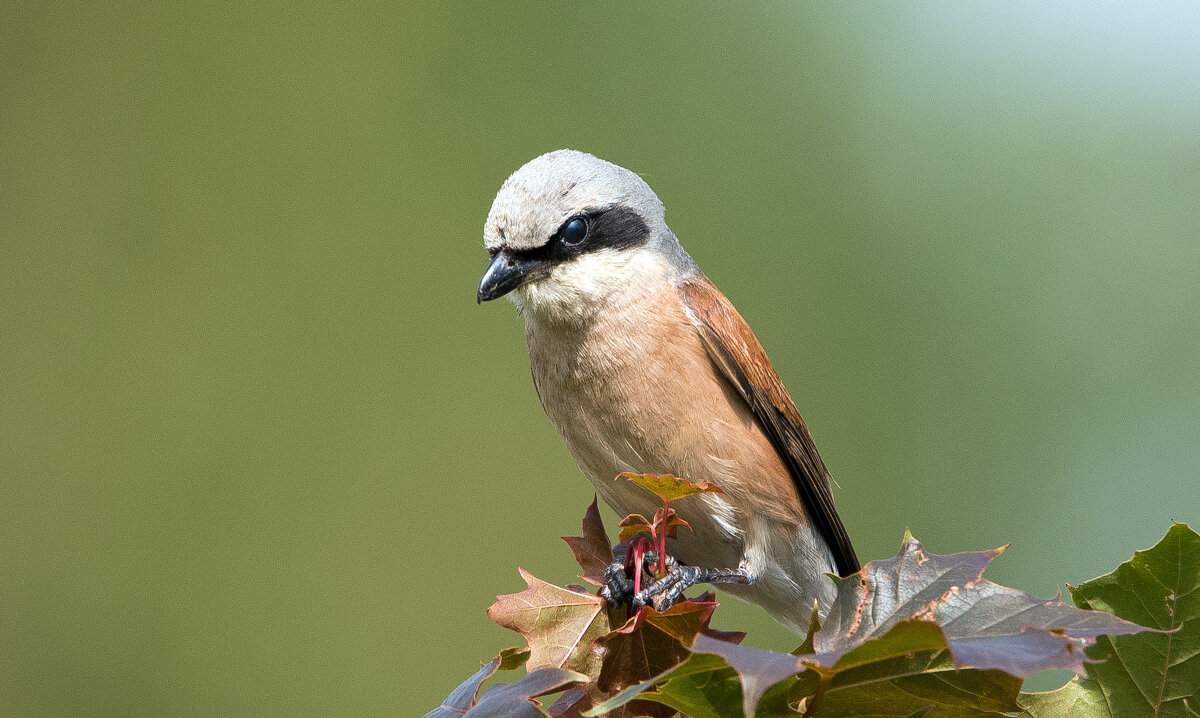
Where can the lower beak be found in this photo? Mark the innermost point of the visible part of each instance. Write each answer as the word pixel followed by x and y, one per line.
pixel 505 274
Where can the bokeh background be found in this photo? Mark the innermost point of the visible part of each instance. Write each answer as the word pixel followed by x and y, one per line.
pixel 262 454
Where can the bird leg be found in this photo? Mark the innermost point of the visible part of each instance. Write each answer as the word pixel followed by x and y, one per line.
pixel 666 591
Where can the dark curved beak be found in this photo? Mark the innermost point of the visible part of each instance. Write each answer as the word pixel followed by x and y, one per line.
pixel 504 274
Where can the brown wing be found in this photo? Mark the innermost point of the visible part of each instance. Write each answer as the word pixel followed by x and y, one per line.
pixel 735 349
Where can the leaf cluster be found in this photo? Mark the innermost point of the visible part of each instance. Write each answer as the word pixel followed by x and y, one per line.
pixel 919 634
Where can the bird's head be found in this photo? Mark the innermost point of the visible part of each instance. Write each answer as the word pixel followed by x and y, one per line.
pixel 569 232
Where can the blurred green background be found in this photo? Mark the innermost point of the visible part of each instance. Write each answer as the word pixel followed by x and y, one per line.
pixel 262 454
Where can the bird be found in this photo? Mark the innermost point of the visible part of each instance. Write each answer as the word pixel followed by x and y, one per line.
pixel 644 366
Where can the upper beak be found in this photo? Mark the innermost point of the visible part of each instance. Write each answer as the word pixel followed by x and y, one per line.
pixel 504 274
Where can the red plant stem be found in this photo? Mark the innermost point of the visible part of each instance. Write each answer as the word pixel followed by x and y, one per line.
pixel 661 568
pixel 638 553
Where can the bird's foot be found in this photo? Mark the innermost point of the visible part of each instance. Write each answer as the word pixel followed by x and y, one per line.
pixel 666 591
pixel 618 586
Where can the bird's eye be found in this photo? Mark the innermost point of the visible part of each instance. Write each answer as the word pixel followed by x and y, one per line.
pixel 574 232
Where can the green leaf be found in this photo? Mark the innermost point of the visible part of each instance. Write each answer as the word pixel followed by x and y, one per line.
pixel 1159 587
pixel 906 670
pixel 513 658
pixel 696 664
pixel 1148 674
pixel 669 488
pixel 909 683
pixel 708 694
pixel 560 625
pixel 757 669
pixel 814 625
pixel 592 551
pixel 1079 698
pixel 901 639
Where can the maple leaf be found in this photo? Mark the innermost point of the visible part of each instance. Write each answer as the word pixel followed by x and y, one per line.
pixel 920 634
pixel 703 686
pixel 517 699
pixel 464 698
pixel 666 522
pixel 668 487
pixel 651 642
pixel 592 550
pixel 559 625
pixel 635 524
pixel 1152 673
pixel 986 625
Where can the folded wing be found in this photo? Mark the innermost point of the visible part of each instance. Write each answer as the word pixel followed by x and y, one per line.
pixel 735 349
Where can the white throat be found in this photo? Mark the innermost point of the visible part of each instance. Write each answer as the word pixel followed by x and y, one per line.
pixel 577 290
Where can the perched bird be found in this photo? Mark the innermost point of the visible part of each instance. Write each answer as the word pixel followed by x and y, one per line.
pixel 644 366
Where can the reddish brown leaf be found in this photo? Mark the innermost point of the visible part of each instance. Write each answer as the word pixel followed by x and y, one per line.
pixel 651 642
pixel 734 637
pixel 986 625
pixel 673 523
pixel 592 550
pixel 669 488
pixel 632 525
pixel 560 625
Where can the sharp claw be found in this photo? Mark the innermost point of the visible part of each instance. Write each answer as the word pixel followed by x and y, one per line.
pixel 618 589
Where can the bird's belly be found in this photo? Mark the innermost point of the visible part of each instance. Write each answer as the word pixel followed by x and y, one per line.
pixel 716 535
pixel 638 392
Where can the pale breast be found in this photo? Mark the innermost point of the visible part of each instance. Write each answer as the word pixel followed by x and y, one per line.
pixel 635 390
